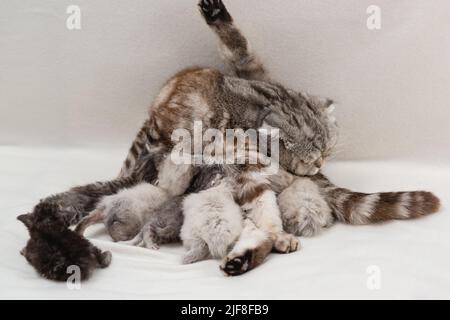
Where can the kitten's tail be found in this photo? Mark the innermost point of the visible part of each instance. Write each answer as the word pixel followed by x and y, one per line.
pixel 362 208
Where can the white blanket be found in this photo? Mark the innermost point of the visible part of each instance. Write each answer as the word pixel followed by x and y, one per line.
pixel 401 259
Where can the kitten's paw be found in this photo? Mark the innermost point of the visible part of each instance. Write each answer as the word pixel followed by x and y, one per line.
pixel 308 220
pixel 214 11
pixel 286 243
pixel 150 245
pixel 106 258
pixel 304 211
pixel 189 259
pixel 237 265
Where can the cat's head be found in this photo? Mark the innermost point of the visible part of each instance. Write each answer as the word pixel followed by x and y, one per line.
pixel 308 133
pixel 44 218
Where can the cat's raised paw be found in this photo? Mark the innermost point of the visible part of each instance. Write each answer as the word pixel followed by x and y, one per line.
pixel 214 11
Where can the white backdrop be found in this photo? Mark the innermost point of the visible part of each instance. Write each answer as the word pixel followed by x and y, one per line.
pixel 92 87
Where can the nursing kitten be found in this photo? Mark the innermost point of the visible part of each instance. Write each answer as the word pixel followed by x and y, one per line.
pixel 125 213
pixel 212 223
pixel 165 226
pixel 53 248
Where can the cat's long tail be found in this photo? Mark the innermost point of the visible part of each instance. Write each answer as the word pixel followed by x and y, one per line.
pixel 362 208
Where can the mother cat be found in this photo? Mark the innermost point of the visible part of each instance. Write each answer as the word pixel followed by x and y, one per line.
pixel 249 99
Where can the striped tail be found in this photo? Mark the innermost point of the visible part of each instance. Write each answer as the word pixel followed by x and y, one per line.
pixel 362 208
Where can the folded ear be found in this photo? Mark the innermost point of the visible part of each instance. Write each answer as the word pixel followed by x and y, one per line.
pixel 331 107
pixel 25 219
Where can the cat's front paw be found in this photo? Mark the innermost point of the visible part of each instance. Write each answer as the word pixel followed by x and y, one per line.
pixel 214 11
pixel 286 243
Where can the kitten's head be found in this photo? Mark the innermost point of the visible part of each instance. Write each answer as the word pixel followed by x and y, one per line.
pixel 44 218
pixel 308 133
pixel 122 225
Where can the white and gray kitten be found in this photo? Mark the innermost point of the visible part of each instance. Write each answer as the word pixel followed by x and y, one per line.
pixel 212 223
pixel 126 212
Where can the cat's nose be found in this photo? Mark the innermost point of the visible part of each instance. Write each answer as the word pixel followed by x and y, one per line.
pixel 319 163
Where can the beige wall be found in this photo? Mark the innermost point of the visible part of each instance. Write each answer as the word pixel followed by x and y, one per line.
pixel 93 86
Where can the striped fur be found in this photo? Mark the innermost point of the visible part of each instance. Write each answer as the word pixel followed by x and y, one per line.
pixel 310 204
pixel 362 208
pixel 135 150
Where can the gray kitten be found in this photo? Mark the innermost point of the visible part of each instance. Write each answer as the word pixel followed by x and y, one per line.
pixel 165 227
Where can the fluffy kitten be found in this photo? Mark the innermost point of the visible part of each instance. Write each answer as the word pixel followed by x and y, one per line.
pixel 165 226
pixel 212 223
pixel 53 248
pixel 126 212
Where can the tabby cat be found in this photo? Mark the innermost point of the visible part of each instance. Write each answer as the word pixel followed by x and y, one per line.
pixel 308 133
pixel 247 101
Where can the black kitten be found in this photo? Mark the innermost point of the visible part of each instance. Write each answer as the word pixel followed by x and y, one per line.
pixel 53 247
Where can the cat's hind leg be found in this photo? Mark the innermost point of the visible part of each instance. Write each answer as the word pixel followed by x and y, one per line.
pixel 251 249
pixel 234 47
pixel 256 197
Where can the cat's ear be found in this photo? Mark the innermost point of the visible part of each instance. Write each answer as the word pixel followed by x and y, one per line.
pixel 25 219
pixel 331 108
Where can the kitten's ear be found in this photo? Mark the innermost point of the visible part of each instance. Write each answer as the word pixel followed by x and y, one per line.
pixel 25 219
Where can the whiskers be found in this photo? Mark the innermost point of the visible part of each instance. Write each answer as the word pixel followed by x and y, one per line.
pixel 338 150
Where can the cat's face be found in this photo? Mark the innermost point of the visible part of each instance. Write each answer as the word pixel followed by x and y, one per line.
pixel 308 135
